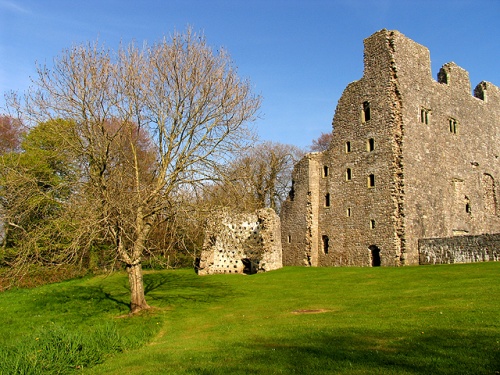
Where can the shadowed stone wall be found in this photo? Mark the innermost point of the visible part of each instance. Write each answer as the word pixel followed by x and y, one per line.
pixel 460 249
pixel 410 158
pixel 241 243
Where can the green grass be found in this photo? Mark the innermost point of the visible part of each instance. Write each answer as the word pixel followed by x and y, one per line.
pixel 411 320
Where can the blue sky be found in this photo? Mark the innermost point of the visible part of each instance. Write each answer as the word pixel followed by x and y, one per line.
pixel 299 55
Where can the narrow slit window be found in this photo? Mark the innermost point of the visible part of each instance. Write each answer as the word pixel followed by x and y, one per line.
pixel 348 174
pixel 326 244
pixel 424 116
pixel 348 212
pixel 453 125
pixel 366 113
pixel 468 209
pixel 371 180
pixel 327 200
pixel 347 147
pixel 372 224
pixel 370 145
pixel 289 239
pixel 325 171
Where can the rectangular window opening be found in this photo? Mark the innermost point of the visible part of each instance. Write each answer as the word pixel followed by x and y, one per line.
pixel 453 126
pixel 371 180
pixel 365 113
pixel 424 116
pixel 347 147
pixel 348 212
pixel 348 174
pixel 327 200
pixel 325 171
pixel 370 145
pixel 372 224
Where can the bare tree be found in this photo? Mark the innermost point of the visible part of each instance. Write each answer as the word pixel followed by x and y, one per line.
pixel 11 131
pixel 188 103
pixel 322 143
pixel 260 177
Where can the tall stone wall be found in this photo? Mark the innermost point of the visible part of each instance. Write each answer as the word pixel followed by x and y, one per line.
pixel 410 158
pixel 299 214
pixel 241 243
pixel 459 249
pixel 451 147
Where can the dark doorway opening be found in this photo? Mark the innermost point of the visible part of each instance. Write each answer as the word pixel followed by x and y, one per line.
pixel 249 267
pixel 197 264
pixel 375 255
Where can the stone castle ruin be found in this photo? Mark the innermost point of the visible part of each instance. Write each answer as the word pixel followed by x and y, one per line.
pixel 241 243
pixel 411 159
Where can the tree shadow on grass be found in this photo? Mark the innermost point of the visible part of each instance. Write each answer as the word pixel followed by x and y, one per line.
pixel 82 300
pixel 172 288
pixel 435 352
pixel 112 295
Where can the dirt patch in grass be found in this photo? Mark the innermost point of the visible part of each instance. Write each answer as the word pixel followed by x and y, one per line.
pixel 307 311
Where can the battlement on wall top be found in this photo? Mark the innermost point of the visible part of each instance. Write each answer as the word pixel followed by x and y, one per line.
pixel 391 51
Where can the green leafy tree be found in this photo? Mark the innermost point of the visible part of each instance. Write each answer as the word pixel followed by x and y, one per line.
pixel 35 188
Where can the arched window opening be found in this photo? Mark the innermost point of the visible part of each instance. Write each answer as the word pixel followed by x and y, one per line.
pixel 489 194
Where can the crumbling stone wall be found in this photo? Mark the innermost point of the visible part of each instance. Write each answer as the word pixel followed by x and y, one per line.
pixel 241 243
pixel 460 249
pixel 410 158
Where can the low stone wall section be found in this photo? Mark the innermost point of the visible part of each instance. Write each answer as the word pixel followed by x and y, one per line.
pixel 460 249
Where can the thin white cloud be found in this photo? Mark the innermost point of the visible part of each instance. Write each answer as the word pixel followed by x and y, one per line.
pixel 13 6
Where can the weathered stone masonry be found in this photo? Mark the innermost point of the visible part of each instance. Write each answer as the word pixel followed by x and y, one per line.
pixel 410 158
pixel 460 249
pixel 241 243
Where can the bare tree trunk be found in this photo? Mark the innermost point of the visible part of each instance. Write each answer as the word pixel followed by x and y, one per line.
pixel 137 297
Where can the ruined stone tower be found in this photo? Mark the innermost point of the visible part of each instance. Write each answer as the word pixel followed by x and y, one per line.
pixel 410 158
pixel 244 243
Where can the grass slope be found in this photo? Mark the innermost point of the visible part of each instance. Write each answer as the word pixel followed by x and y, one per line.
pixel 411 320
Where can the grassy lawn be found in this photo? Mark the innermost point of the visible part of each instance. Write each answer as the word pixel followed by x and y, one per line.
pixel 412 320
